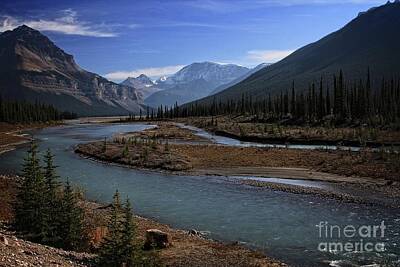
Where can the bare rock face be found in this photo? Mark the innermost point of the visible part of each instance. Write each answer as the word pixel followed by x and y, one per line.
pixel 156 239
pixel 33 68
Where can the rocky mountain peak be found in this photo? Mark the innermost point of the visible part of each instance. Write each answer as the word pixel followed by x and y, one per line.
pixel 144 79
pixel 35 50
pixel 43 71
pixel 208 71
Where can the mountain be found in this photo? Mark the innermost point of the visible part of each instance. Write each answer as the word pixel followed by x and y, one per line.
pixel 194 81
pixel 371 40
pixel 33 68
pixel 241 78
pixel 143 85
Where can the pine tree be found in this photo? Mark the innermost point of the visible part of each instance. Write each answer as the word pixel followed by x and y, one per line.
pixel 128 235
pixel 30 199
pixel 52 201
pixel 73 235
pixel 111 249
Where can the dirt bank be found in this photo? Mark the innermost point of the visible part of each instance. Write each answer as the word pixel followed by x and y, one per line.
pixel 11 134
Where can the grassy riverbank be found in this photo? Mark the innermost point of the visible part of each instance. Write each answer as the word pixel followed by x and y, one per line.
pixel 166 148
pixel 174 149
pixel 244 128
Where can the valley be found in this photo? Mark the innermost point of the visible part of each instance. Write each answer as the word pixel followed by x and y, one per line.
pixel 100 178
pixel 214 133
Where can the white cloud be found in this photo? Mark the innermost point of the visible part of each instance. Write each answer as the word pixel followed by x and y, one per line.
pixel 268 56
pixel 68 23
pixel 151 72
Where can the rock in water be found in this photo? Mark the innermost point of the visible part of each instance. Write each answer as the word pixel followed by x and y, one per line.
pixel 156 239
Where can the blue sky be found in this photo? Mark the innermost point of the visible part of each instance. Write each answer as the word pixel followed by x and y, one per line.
pixel 125 38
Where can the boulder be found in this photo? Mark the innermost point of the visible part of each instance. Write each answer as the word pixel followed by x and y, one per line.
pixel 194 232
pixel 3 240
pixel 156 239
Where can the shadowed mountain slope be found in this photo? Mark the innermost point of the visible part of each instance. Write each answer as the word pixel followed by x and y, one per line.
pixel 33 68
pixel 371 40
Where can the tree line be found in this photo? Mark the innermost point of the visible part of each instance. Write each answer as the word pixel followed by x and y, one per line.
pixel 25 112
pixel 337 101
pixel 50 213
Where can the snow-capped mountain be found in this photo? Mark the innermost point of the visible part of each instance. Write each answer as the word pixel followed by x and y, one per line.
pixel 241 78
pixel 143 84
pixel 193 82
pixel 208 71
pixel 161 80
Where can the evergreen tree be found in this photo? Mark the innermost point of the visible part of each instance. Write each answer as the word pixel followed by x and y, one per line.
pixel 128 235
pixel 111 251
pixel 72 235
pixel 52 203
pixel 29 208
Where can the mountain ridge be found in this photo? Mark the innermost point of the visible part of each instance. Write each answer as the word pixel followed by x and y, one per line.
pixel 33 68
pixel 239 79
pixel 194 81
pixel 143 85
pixel 351 49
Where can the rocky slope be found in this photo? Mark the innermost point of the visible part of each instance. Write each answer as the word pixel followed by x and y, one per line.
pixel 194 81
pixel 19 252
pixel 33 68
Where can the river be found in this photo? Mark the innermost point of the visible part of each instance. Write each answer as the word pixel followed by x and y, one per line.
pixel 284 225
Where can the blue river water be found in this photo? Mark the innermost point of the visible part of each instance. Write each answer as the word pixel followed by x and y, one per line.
pixel 283 225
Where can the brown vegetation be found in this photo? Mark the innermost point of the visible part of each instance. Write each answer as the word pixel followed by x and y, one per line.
pixel 167 131
pixel 360 164
pixel 142 154
pixel 243 126
pixel 145 150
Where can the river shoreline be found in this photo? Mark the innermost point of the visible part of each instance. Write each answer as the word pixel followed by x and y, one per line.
pixel 385 191
pixel 11 135
pixel 254 186
pixel 245 129
pixel 204 159
pixel 189 247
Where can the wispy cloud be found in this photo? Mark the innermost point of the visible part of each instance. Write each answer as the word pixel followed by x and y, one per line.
pixel 151 72
pixel 67 23
pixel 226 6
pixel 268 56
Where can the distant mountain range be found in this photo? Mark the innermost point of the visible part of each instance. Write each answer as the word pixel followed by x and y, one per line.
pixel 33 68
pixel 143 85
pixel 194 81
pixel 239 79
pixel 371 40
